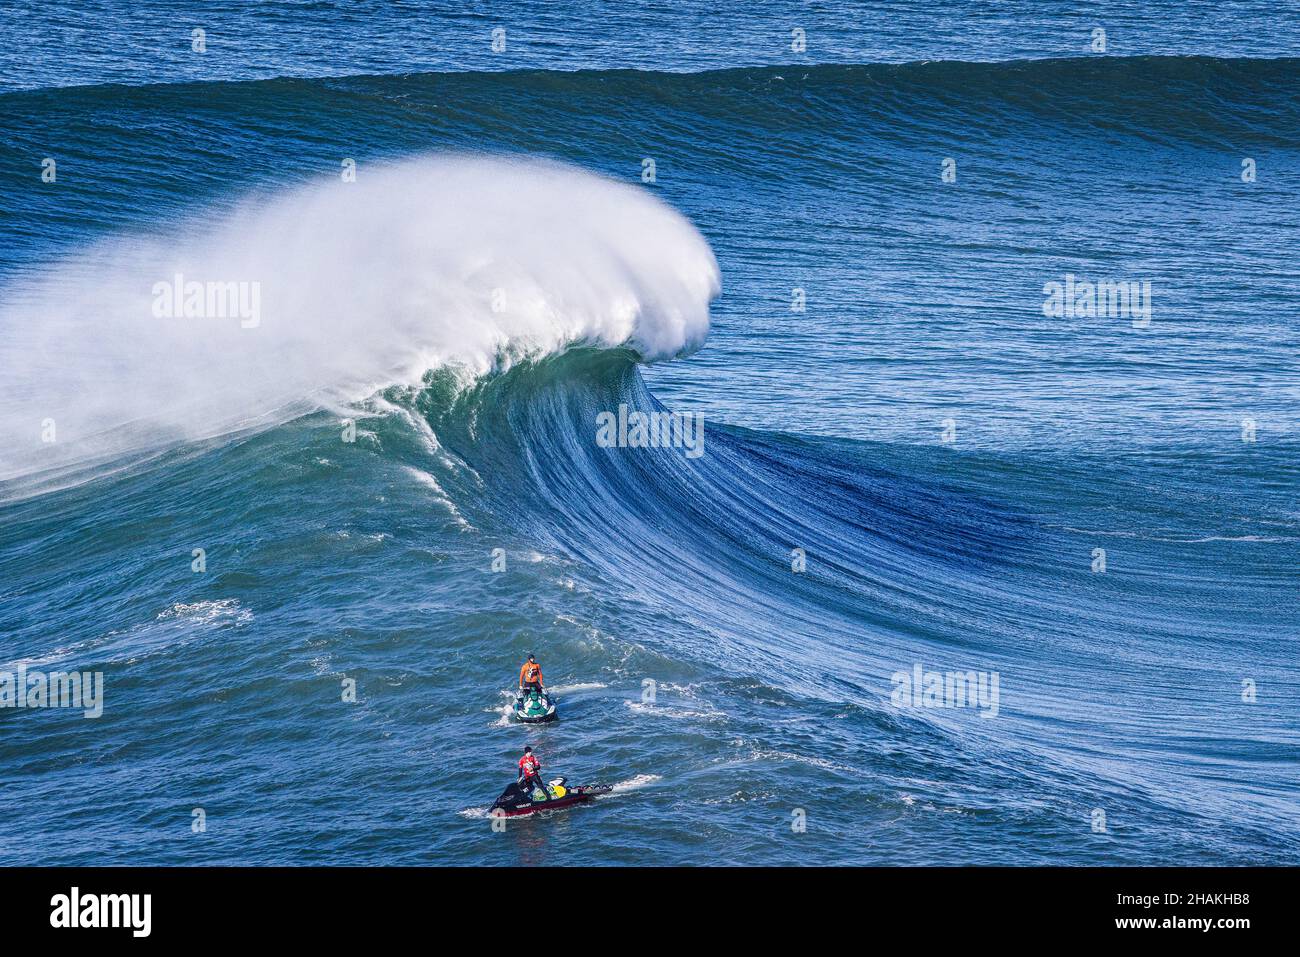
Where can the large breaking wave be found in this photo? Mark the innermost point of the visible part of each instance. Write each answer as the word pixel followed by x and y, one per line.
pixel 452 261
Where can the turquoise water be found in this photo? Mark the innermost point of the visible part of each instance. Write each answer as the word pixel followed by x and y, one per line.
pixel 416 404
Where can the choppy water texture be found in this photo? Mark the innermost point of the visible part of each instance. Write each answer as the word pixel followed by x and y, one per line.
pixel 497 276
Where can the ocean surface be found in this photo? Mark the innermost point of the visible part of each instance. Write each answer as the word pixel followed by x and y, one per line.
pixel 835 248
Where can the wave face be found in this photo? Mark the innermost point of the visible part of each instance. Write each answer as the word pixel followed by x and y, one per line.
pixel 1099 513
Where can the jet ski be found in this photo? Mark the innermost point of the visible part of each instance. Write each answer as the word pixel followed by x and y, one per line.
pixel 535 707
pixel 516 799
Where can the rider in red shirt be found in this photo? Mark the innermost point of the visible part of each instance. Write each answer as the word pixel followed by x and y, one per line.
pixel 530 773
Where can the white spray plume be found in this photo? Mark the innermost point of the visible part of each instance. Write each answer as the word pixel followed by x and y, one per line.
pixel 445 260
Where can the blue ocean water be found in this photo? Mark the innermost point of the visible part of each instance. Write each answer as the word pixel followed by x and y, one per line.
pixel 842 262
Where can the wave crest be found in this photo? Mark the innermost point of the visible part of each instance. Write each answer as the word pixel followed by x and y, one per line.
pixel 449 261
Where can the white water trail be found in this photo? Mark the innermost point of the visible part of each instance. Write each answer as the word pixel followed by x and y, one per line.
pixel 634 784
pixel 576 686
pixel 446 260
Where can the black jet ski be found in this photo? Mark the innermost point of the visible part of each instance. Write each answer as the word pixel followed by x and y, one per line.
pixel 516 799
pixel 535 707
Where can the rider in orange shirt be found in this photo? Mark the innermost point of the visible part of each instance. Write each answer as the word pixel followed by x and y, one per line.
pixel 530 676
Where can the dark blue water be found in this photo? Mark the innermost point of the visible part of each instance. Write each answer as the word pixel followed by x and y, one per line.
pixel 863 332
